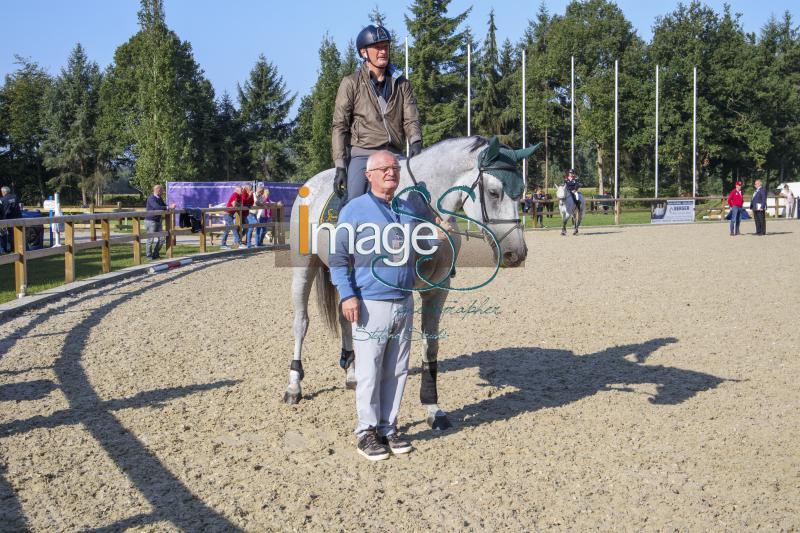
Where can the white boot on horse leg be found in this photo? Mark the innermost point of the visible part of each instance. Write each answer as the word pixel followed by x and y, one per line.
pixel 294 392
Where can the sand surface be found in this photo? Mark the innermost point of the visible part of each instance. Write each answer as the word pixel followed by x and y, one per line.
pixel 630 378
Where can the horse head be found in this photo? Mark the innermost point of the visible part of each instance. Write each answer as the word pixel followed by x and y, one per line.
pixel 498 189
pixel 560 192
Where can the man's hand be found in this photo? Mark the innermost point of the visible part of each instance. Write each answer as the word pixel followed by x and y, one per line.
pixel 350 309
pixel 340 182
pixel 447 227
pixel 415 148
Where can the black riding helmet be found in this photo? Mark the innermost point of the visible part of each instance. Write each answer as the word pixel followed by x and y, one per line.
pixel 372 35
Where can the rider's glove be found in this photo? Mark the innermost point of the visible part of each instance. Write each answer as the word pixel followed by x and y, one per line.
pixel 340 182
pixel 415 148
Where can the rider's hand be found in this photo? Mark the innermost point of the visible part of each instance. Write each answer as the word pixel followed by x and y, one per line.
pixel 415 148
pixel 441 235
pixel 340 182
pixel 350 309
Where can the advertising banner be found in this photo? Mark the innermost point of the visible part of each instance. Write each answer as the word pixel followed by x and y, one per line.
pixel 194 194
pixel 672 212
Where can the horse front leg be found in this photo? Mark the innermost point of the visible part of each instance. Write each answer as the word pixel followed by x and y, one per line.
pixel 302 280
pixel 347 359
pixel 432 305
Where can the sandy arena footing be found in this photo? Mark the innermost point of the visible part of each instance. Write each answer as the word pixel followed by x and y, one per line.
pixel 630 378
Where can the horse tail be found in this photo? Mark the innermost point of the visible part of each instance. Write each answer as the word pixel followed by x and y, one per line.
pixel 327 299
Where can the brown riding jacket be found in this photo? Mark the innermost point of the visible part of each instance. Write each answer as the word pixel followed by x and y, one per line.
pixel 359 121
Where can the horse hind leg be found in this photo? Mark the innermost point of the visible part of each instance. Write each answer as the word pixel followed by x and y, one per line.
pixel 302 280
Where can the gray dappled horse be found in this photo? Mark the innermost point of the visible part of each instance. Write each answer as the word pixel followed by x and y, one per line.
pixel 461 162
pixel 568 208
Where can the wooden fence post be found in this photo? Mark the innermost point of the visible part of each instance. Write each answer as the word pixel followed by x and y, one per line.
pixel 119 220
pixel 20 267
pixel 202 232
pixel 105 228
pixel 92 231
pixel 281 236
pixel 137 241
pixel 239 224
pixel 617 209
pixel 168 224
pixel 69 255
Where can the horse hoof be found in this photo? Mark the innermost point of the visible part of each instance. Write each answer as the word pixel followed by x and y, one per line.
pixel 292 398
pixel 575 232
pixel 439 422
pixel 350 378
pixel 563 233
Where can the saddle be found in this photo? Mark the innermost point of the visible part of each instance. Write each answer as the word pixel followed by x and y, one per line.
pixel 330 210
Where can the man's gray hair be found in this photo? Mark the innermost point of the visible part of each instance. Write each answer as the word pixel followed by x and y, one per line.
pixel 5 190
pixel 373 157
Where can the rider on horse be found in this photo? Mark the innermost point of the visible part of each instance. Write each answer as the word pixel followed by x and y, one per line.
pixel 374 110
pixel 573 186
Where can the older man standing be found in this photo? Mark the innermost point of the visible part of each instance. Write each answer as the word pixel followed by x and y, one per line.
pixel 152 223
pixel 379 309
pixel 759 205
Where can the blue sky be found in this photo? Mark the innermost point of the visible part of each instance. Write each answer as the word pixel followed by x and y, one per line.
pixel 227 41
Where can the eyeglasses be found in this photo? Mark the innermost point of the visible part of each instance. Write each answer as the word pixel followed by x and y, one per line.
pixel 386 169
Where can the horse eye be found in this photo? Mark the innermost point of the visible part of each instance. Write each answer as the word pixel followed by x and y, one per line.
pixel 494 194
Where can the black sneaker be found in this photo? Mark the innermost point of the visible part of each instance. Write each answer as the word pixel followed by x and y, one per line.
pixel 369 447
pixel 396 443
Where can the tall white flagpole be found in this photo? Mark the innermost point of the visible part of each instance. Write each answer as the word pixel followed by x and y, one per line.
pixel 694 134
pixel 656 131
pixel 469 89
pixel 572 111
pixel 524 118
pixel 616 129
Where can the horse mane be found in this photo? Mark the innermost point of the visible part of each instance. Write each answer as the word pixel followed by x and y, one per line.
pixel 478 141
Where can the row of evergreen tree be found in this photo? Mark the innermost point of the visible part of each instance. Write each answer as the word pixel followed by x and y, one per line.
pixel 153 116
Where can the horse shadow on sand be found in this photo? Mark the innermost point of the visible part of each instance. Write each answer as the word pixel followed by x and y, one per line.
pixel 169 498
pixel 545 378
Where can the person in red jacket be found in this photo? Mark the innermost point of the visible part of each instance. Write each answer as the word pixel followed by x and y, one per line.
pixel 736 203
pixel 235 200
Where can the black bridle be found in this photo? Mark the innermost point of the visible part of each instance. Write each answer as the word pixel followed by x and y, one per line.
pixel 487 220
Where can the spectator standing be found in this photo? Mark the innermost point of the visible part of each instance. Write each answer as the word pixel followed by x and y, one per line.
pixel 152 223
pixel 736 203
pixel 235 200
pixel 264 213
pixel 9 208
pixel 381 330
pixel 759 205
pixel 538 206
pixel 790 202
pixel 248 217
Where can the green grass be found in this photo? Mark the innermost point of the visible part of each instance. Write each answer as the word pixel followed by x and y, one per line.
pixel 594 219
pixel 48 272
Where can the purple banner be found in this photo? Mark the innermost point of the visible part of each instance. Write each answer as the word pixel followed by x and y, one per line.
pixel 194 194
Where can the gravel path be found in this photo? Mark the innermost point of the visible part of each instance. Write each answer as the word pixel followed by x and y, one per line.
pixel 624 381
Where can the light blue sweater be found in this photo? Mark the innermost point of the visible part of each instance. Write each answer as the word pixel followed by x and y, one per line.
pixel 352 273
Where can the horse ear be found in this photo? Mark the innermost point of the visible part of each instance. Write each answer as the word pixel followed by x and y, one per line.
pixel 493 151
pixel 524 153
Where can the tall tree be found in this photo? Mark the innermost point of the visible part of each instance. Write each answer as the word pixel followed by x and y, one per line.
pixel 23 99
pixel 264 104
pixel 438 68
pixel 314 135
pixel 156 107
pixel 70 116
pixel 489 102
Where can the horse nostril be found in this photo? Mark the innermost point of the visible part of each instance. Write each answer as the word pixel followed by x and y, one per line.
pixel 510 258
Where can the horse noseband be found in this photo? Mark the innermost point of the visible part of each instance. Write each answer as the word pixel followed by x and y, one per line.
pixel 486 218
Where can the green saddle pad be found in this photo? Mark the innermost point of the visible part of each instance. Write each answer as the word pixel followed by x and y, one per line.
pixel 330 211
